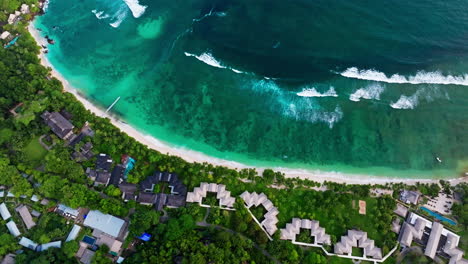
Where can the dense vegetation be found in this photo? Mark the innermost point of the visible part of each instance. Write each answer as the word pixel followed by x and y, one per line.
pixel 231 237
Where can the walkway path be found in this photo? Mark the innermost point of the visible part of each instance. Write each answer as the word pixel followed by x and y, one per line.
pixel 218 227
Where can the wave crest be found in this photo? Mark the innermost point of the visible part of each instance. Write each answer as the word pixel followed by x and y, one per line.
pixel 312 92
pixel 419 78
pixel 370 92
pixel 208 59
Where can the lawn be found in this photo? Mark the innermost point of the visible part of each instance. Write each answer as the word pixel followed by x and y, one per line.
pixel 34 151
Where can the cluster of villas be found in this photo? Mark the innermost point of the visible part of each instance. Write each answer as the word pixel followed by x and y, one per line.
pixel 106 229
pixel 10 38
pixel 432 235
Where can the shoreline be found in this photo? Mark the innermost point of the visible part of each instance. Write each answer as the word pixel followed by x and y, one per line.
pixel 194 156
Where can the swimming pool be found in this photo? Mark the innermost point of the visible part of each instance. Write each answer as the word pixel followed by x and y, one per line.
pixel 438 216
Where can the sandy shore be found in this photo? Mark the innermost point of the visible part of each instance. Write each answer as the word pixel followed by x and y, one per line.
pixel 193 156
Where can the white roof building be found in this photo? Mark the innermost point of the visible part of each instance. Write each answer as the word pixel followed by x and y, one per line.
pixel 13 229
pixel 271 219
pixel 357 238
pixel 28 243
pixel 3 36
pixel 294 228
pixel 105 223
pixel 4 211
pixel 223 195
pixel 68 211
pixel 24 9
pixel 73 233
pixel 54 244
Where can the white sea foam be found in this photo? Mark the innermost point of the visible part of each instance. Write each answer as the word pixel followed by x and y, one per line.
pixel 312 92
pixel 428 94
pixel 370 92
pixel 406 102
pixel 118 18
pixel 100 14
pixel 208 58
pixel 420 77
pixel 134 6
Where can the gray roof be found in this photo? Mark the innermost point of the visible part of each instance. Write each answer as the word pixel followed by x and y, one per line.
pixel 26 216
pixel 59 125
pixel 102 177
pixel 108 224
pixel 433 242
pixel 87 256
pixel 9 259
pixel 401 210
pixel 409 196
pixel 4 211
pixel 147 198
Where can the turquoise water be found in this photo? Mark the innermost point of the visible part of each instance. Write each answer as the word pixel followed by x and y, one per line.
pixel 438 216
pixel 368 87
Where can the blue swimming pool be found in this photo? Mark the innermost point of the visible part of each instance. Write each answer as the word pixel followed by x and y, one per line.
pixel 438 216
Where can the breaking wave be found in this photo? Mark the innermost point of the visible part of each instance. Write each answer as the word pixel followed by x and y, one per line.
pixel 370 92
pixel 118 18
pixel 428 94
pixel 420 77
pixel 100 15
pixel 208 59
pixel 134 6
pixel 300 109
pixel 312 92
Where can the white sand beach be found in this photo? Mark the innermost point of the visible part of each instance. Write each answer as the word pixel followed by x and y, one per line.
pixel 193 156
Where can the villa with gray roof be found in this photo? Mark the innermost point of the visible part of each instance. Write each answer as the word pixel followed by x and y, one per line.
pixel 270 218
pixel 177 190
pixel 223 195
pixel 105 223
pixel 26 216
pixel 435 239
pixel 59 124
pixel 294 228
pixel 359 239
pixel 409 197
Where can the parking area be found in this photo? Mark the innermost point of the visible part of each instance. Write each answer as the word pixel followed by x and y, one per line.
pixel 441 204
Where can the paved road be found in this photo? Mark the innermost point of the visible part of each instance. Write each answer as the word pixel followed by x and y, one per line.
pixel 218 227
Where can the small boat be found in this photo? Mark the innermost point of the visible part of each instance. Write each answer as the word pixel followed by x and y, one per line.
pixel 438 159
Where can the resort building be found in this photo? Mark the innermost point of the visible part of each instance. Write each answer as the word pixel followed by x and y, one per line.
pixel 223 195
pixel 13 229
pixel 24 9
pixel 9 259
pixel 270 218
pixel 117 175
pixel 359 239
pixel 294 228
pixel 409 197
pixel 105 223
pixel 103 162
pixel 28 243
pixel 59 125
pixel 4 35
pixel 26 216
pixel 102 178
pixel 67 211
pixel 85 153
pixel 55 244
pixel 435 239
pixel 4 211
pixel 73 233
pixel 128 191
pixel 13 18
pixel 401 210
pixel 147 198
pixel 171 192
